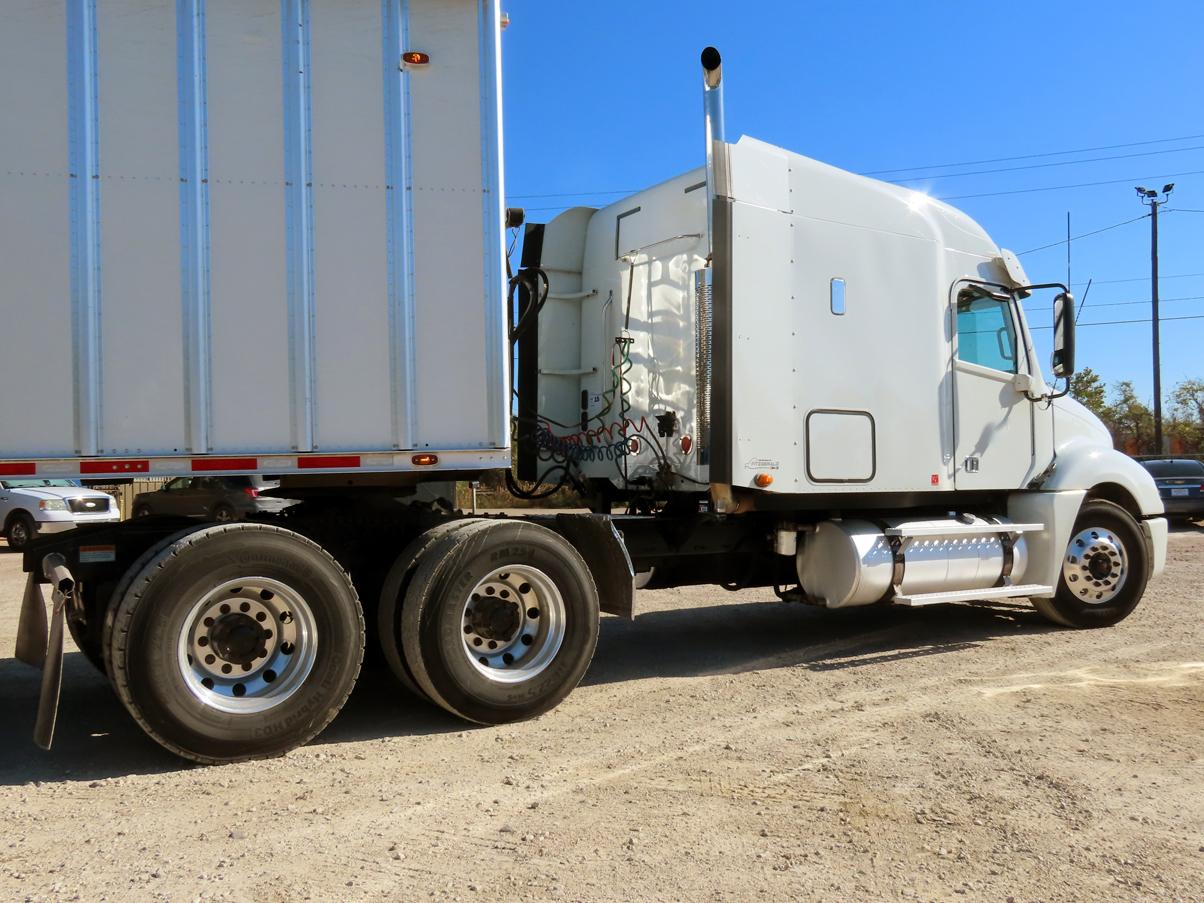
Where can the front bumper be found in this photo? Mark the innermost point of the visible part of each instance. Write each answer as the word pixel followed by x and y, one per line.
pixel 1155 534
pixel 1184 505
pixel 61 526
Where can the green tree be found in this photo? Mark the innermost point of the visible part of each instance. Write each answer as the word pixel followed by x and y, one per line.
pixel 1187 414
pixel 1131 420
pixel 1088 388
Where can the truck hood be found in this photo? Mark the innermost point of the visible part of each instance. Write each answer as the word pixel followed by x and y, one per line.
pixel 1072 419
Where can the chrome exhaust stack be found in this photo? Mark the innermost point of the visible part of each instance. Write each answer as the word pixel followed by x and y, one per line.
pixel 712 105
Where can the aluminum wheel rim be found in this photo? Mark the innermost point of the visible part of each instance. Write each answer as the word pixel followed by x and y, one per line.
pixel 513 624
pixel 247 645
pixel 1096 565
pixel 17 533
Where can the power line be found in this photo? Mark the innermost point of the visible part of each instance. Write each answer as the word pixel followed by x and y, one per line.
pixel 992 194
pixel 1147 301
pixel 1140 279
pixel 1084 235
pixel 1081 150
pixel 982 172
pixel 573 194
pixel 919 178
pixel 1124 322
pixel 877 172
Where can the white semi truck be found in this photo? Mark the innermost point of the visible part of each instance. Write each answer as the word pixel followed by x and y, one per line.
pixel 271 235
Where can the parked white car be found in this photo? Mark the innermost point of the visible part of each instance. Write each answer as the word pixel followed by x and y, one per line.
pixel 30 507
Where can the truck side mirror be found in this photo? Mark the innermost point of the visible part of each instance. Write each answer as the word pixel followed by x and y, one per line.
pixel 1064 325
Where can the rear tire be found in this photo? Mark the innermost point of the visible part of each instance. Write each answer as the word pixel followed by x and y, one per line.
pixel 500 621
pixel 20 531
pixel 208 677
pixel 1104 570
pixel 223 514
pixel 392 599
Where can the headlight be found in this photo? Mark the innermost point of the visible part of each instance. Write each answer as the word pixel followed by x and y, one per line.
pixel 53 505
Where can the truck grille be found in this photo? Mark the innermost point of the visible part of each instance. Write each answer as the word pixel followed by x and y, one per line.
pixel 89 504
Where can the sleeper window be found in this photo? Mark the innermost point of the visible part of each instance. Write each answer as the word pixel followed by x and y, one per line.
pixel 985 333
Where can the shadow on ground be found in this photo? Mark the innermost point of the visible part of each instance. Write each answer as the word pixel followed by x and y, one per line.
pixel 97 739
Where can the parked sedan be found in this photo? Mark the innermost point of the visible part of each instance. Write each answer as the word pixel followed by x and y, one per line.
pixel 1181 485
pixel 30 507
pixel 220 499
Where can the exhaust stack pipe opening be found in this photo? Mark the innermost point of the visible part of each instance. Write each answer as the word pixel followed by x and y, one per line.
pixel 712 79
pixel 712 105
pixel 712 67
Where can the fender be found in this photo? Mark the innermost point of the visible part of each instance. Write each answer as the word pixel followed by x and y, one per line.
pixel 1083 464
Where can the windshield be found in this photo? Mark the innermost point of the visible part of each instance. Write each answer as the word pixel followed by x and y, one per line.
pixel 36 484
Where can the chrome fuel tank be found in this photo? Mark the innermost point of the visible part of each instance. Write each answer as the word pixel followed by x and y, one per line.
pixel 852 562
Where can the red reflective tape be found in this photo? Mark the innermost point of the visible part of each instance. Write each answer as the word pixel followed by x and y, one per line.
pixel 328 462
pixel 18 469
pixel 201 464
pixel 114 466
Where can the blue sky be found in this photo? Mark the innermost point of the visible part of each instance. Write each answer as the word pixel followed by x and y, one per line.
pixel 603 98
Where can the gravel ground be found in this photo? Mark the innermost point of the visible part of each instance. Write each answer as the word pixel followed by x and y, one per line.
pixel 723 746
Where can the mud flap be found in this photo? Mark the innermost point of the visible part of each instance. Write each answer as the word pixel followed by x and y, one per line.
pixel 52 675
pixel 594 536
pixel 44 649
pixel 32 628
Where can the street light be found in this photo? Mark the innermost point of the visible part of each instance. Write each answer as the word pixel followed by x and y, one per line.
pixel 1149 197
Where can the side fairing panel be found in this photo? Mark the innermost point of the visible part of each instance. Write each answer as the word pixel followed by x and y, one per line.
pixel 801 357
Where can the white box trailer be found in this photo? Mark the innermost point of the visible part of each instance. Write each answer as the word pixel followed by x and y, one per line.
pixel 273 233
pixel 260 232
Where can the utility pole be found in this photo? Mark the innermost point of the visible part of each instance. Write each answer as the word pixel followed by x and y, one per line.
pixel 1149 197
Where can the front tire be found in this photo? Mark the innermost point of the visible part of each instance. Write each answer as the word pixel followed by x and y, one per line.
pixel 500 621
pixel 236 642
pixel 1104 570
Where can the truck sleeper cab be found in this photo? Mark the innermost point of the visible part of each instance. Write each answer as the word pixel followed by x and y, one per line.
pixel 781 374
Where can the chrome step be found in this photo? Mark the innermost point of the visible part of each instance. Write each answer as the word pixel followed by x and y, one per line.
pixel 974 595
pixel 917 530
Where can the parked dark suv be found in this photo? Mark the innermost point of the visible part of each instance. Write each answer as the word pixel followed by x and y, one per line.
pixel 1181 485
pixel 217 498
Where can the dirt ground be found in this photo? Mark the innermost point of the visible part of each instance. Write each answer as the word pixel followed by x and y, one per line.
pixel 723 746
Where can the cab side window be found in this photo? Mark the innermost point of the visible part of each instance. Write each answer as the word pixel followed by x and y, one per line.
pixel 986 334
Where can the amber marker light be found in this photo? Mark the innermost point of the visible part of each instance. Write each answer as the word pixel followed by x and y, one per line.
pixel 763 481
pixel 424 460
pixel 415 58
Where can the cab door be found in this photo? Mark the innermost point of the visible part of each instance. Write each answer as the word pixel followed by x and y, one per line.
pixel 993 416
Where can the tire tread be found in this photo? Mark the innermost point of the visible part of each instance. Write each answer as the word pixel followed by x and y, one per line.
pixel 126 608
